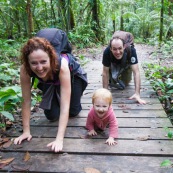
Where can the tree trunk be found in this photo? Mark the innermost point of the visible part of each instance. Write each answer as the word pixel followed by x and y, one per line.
pixel 62 7
pixel 67 14
pixel 121 19
pixel 16 12
pixel 30 20
pixel 53 14
pixel 113 23
pixel 170 31
pixel 95 19
pixel 71 19
pixel 161 21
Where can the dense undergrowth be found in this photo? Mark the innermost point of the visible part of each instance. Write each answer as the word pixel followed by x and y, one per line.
pixel 160 75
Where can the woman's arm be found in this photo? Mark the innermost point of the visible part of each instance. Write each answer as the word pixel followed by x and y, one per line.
pixel 25 80
pixel 105 77
pixel 65 95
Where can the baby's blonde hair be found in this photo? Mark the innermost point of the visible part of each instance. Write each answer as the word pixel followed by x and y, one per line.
pixel 104 94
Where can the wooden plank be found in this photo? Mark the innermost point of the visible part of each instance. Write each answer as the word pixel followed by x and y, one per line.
pixel 123 122
pixel 93 86
pixel 121 113
pixel 129 106
pixel 61 163
pixel 150 101
pixel 81 132
pixel 98 80
pixel 124 93
pixel 98 146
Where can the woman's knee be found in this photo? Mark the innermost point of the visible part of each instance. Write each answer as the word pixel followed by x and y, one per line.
pixel 74 111
pixel 51 115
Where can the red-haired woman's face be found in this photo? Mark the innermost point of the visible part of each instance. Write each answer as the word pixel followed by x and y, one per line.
pixel 39 62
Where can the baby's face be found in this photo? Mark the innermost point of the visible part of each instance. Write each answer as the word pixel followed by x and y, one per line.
pixel 101 107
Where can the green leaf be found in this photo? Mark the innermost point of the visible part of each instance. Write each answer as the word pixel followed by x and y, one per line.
pixel 7 115
pixel 4 65
pixel 8 92
pixel 170 134
pixel 166 163
pixel 170 91
pixel 5 78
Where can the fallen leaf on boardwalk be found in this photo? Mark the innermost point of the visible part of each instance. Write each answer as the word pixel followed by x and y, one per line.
pixel 149 103
pixel 3 140
pixel 21 167
pixel 121 106
pixel 87 93
pixel 124 106
pixel 17 146
pixel 7 144
pixel 83 136
pixel 64 154
pixel 27 156
pixel 91 170
pixel 125 111
pixel 144 138
pixel 5 162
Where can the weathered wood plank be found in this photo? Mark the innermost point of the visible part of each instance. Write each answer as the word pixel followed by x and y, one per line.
pixel 98 146
pixel 150 101
pixel 124 93
pixel 122 113
pixel 81 132
pixel 98 84
pixel 123 122
pixel 69 163
pixel 133 113
pixel 129 106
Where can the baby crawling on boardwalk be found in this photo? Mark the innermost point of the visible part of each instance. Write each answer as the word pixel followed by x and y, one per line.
pixel 101 115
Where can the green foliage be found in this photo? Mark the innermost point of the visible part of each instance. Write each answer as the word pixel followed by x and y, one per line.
pixel 166 163
pixel 144 22
pixel 166 48
pixel 83 36
pixel 8 75
pixel 10 98
pixel 160 80
pixel 83 60
pixel 169 132
pixel 161 76
pixel 9 50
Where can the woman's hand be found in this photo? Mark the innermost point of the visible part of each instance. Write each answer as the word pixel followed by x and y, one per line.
pixel 22 137
pixel 111 141
pixel 137 97
pixel 56 145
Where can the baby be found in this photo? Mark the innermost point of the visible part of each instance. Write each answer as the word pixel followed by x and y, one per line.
pixel 101 115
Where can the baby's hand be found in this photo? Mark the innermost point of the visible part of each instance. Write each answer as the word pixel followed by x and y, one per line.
pixel 92 133
pixel 111 141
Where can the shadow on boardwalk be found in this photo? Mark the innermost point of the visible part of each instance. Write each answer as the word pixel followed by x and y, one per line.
pixel 142 143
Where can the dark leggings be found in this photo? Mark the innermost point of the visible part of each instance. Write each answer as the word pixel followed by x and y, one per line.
pixel 75 103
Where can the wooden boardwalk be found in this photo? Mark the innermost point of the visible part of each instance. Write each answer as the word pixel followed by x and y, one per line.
pixel 142 143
